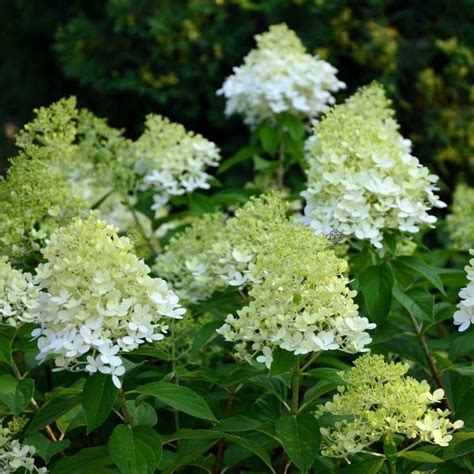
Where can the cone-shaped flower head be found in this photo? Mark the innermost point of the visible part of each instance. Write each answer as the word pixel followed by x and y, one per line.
pixel 98 299
pixel 379 400
pixel 279 76
pixel 362 177
pixel 464 316
pixel 171 160
pixel 35 201
pixel 296 296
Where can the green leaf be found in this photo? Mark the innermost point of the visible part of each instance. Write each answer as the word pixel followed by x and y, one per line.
pixel 51 411
pixel 98 398
pixel 205 334
pixel 410 305
pixel 365 467
pixel 150 352
pixel 419 456
pixel 180 398
pixel 300 438
pixel 243 154
pixel 202 434
pixel 5 351
pixel 200 203
pixel 238 423
pixel 135 450
pixel 46 448
pixel 461 444
pixel 376 283
pixel 283 361
pixel 326 373
pixel 89 460
pixel 462 345
pixel 268 136
pixel 295 126
pixel 16 394
pixel 142 414
pixel 263 164
pixel 422 268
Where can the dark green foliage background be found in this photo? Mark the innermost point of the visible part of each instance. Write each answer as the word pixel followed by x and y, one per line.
pixel 125 58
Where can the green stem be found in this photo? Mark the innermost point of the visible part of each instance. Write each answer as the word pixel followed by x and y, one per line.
pixel 431 362
pixel 281 165
pixel 123 408
pixel 392 468
pixel 295 388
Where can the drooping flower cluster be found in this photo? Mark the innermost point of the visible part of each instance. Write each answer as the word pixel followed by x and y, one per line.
pixel 35 200
pixel 464 316
pixel 98 299
pixel 305 309
pixel 461 219
pixel 362 177
pixel 18 295
pixel 171 160
pixel 379 400
pixel 15 455
pixel 279 76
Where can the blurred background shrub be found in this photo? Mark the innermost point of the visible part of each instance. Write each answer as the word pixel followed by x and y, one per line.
pixel 126 58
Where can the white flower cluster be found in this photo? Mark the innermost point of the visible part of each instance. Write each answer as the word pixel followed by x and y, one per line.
pixel 279 76
pixel 171 160
pixel 464 316
pixel 362 177
pixel 18 295
pixel 98 299
pixel 15 456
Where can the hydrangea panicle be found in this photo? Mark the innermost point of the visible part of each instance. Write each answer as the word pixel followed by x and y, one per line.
pixel 379 400
pixel 171 160
pixel 279 76
pixel 464 316
pixel 362 177
pixel 98 299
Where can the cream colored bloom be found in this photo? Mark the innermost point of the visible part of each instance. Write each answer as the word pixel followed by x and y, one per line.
pixel 362 177
pixel 464 316
pixel 98 299
pixel 279 76
pixel 379 400
pixel 18 295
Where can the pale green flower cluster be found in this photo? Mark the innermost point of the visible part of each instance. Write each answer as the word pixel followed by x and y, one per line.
pixel 18 295
pixel 378 401
pixel 15 456
pixel 362 177
pixel 35 200
pixel 98 299
pixel 93 157
pixel 461 219
pixel 171 160
pixel 306 309
pixel 279 76
pixel 181 262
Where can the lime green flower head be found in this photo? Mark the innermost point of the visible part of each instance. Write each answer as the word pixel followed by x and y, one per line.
pixel 461 219
pixel 171 160
pixel 378 401
pixel 98 299
pixel 362 177
pixel 182 263
pixel 18 295
pixel 36 200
